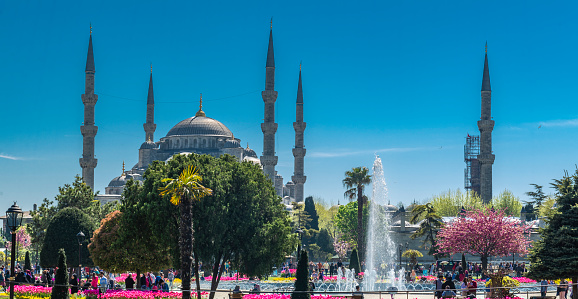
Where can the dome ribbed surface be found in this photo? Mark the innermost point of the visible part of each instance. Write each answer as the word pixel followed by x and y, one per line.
pixel 148 145
pixel 200 125
pixel 232 143
pixel 249 153
pixel 119 181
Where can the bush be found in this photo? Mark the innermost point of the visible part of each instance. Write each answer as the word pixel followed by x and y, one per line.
pixel 302 278
pixel 60 289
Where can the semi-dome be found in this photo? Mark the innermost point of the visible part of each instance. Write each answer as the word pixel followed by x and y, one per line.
pixel 232 143
pixel 200 125
pixel 148 145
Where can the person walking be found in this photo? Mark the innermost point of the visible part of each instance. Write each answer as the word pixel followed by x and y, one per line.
pixel 103 283
pixel 543 287
pixel 73 286
pixel 171 277
pixel 129 282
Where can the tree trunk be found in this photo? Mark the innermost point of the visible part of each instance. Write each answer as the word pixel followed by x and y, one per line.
pixel 216 277
pixel 197 278
pixel 360 239
pixel 186 244
pixel 484 263
pixel 574 287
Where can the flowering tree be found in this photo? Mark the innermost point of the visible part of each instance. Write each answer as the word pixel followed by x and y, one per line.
pixel 483 233
pixel 341 247
pixel 22 241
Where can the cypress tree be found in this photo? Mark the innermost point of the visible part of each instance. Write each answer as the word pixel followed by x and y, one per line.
pixel 27 265
pixel 60 289
pixel 354 262
pixel 312 212
pixel 554 255
pixel 302 278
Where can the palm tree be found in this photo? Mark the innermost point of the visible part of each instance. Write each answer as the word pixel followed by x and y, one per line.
pixel 429 226
pixel 355 180
pixel 183 190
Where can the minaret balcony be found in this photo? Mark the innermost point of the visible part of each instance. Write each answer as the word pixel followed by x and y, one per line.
pixel 269 96
pixel 88 130
pixel 269 128
pixel 486 158
pixel 88 162
pixel 486 125
pixel 299 152
pixel 269 160
pixel 299 179
pixel 149 127
pixel 89 99
pixel 299 126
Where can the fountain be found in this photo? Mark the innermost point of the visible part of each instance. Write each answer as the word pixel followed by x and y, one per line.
pixel 380 249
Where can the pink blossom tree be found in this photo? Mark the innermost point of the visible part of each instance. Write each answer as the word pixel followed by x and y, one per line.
pixel 341 248
pixel 483 233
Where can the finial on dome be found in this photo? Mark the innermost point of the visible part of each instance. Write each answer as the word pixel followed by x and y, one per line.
pixel 247 145
pixel 123 173
pixel 200 112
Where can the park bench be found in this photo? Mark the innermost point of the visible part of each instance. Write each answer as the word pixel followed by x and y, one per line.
pixel 235 296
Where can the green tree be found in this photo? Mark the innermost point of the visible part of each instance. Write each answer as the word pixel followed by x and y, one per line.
pixel 412 254
pixel 547 208
pixel 354 262
pixel 326 216
pixel 312 212
pixel 508 202
pixel 449 204
pixel 325 241
pixel 148 245
pixel 60 289
pixel 355 181
pixel 537 196
pixel 346 222
pixel 182 192
pixel 27 264
pixel 554 255
pixel 76 195
pixel 242 221
pixel 302 278
pixel 62 232
pixel 429 224
pixel 104 249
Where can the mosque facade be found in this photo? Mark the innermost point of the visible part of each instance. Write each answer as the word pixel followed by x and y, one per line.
pixel 198 134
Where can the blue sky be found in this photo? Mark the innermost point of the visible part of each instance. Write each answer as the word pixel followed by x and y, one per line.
pixel 398 78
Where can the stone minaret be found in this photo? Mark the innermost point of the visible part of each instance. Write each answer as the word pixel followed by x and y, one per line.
pixel 486 125
pixel 149 125
pixel 269 127
pixel 299 151
pixel 88 129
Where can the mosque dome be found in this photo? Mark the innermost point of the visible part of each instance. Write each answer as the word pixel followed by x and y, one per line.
pixel 232 143
pixel 119 181
pixel 200 125
pixel 148 145
pixel 247 152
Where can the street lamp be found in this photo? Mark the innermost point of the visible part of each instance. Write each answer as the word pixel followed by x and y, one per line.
pixel 14 220
pixel 80 238
pixel 300 232
pixel 400 249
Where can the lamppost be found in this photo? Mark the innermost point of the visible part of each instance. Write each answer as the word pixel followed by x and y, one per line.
pixel 14 220
pixel 400 247
pixel 80 238
pixel 406 247
pixel 300 232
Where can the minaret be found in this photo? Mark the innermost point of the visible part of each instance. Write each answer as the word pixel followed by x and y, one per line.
pixel 269 127
pixel 298 177
pixel 88 129
pixel 149 125
pixel 486 125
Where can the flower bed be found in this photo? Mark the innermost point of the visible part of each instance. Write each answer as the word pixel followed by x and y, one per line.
pixel 121 294
pixel 283 296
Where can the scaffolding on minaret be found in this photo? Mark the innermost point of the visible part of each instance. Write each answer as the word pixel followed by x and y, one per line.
pixel 472 171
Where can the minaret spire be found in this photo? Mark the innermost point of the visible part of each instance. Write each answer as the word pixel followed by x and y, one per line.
pixel 486 125
pixel 88 129
pixel 269 127
pixel 201 112
pixel 298 177
pixel 150 126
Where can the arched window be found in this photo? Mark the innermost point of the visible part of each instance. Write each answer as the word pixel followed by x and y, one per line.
pixel 186 143
pixel 195 143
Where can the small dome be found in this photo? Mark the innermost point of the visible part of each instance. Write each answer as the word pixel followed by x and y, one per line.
pixel 200 125
pixel 290 183
pixel 232 143
pixel 249 153
pixel 119 181
pixel 148 145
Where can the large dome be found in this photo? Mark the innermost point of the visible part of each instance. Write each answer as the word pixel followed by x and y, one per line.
pixel 200 125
